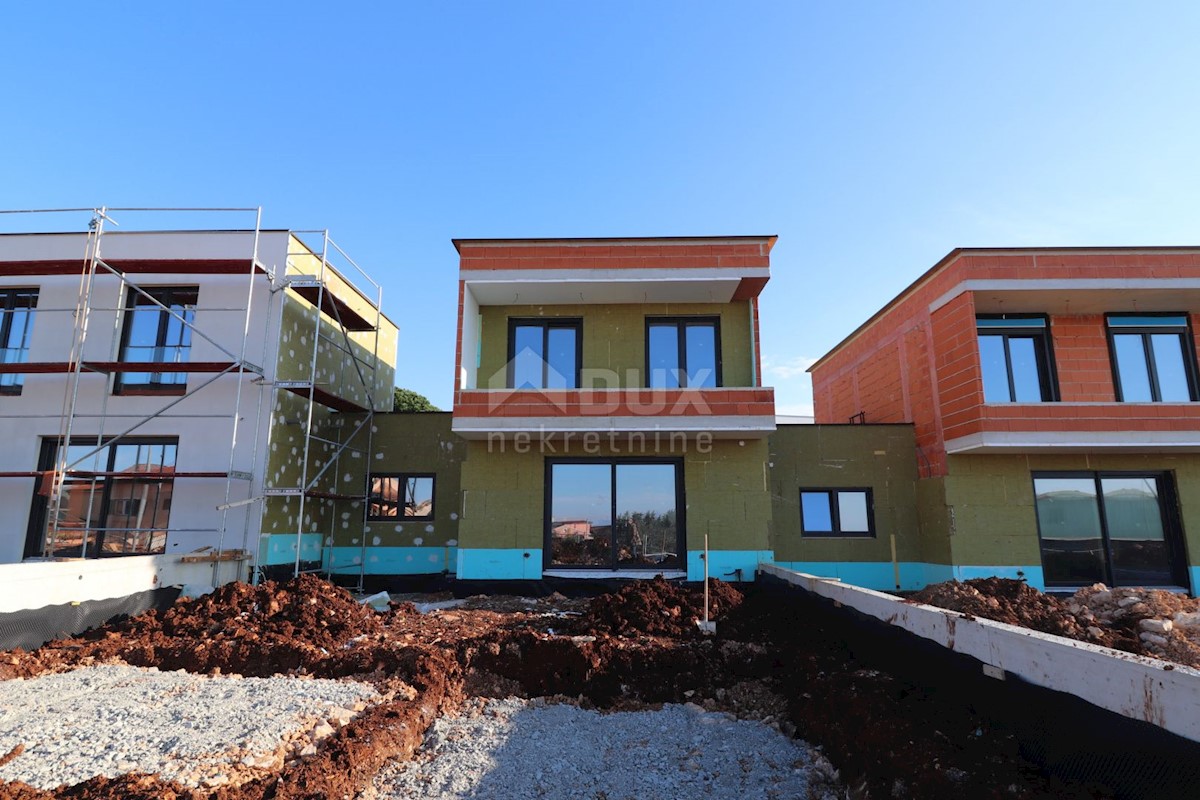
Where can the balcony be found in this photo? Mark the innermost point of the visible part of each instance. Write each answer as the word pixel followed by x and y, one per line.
pixel 747 413
pixel 1074 427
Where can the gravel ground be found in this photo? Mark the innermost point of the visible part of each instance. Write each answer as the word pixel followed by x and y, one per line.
pixel 197 729
pixel 517 749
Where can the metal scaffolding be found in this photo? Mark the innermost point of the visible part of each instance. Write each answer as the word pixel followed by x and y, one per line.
pixel 333 322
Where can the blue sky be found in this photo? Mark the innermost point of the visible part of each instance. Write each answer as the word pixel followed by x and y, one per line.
pixel 871 137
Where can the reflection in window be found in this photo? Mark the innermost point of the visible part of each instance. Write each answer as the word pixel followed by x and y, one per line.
pixel 1014 358
pixel 158 330
pixel 614 514
pixel 116 499
pixel 1153 358
pixel 683 352
pixel 1104 528
pixel 543 353
pixel 396 496
pixel 836 512
pixel 16 324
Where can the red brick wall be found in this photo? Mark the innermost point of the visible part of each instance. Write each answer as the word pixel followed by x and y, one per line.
pixel 937 356
pixel 1082 360
pixel 613 256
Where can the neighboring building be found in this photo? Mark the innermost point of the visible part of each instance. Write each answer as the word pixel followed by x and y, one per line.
pixel 191 372
pixel 1054 398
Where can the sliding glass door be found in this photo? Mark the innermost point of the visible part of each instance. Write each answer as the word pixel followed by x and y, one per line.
pixel 614 514
pixel 1115 528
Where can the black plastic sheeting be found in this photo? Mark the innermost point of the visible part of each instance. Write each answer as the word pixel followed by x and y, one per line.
pixel 1064 734
pixel 32 628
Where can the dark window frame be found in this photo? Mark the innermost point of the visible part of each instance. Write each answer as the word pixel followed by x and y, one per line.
pixel 136 300
pixel 830 493
pixel 1047 369
pixel 1145 331
pixel 1168 507
pixel 402 478
pixel 613 462
pixel 40 504
pixel 546 324
pixel 10 300
pixel 681 324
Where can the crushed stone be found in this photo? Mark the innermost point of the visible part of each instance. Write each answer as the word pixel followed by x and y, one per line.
pixel 516 749
pixel 198 730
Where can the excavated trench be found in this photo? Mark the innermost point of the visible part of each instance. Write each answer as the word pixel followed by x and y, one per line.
pixel 782 662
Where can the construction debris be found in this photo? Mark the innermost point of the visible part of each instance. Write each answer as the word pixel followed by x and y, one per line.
pixel 1149 622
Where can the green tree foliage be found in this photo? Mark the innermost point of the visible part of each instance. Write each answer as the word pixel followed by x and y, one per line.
pixel 409 402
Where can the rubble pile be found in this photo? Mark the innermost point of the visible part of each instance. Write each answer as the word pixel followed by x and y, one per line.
pixel 1150 622
pixel 657 607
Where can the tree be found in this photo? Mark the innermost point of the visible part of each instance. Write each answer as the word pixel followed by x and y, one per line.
pixel 409 402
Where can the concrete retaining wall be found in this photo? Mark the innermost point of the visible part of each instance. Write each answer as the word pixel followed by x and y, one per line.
pixel 37 584
pixel 1140 688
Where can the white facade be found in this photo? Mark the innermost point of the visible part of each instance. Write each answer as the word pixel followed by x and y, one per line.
pixel 204 422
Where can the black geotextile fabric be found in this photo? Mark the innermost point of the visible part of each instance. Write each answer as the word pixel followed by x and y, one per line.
pixel 1064 734
pixel 31 628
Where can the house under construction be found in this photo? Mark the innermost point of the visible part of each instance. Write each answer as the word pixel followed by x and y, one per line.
pixel 184 391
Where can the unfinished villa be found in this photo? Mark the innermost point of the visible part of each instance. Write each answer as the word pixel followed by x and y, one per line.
pixel 225 396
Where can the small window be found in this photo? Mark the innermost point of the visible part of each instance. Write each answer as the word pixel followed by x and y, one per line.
pixel 16 324
pixel 544 353
pixel 1153 358
pixel 395 497
pixel 158 330
pixel 837 512
pixel 683 352
pixel 1014 356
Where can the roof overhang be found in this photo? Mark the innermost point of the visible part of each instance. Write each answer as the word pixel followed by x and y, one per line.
pixel 1078 295
pixel 1013 442
pixel 595 286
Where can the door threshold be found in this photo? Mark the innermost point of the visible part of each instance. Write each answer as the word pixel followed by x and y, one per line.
pixel 641 574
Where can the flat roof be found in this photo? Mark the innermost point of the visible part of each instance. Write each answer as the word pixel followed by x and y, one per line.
pixel 979 251
pixel 770 239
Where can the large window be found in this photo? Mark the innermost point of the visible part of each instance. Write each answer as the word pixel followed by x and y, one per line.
pixel 1014 354
pixel 16 324
pixel 544 353
pixel 1153 358
pixel 837 512
pixel 614 514
pixel 1116 528
pixel 157 331
pixel 116 500
pixel 394 497
pixel 683 352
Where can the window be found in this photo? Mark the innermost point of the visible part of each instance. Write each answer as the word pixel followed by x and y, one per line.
pixel 1153 358
pixel 16 324
pixel 116 499
pixel 683 352
pixel 1014 355
pixel 544 353
pixel 614 513
pixel 837 512
pixel 394 497
pixel 1117 528
pixel 157 331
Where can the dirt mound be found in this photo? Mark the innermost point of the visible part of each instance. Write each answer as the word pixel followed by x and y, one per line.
pixel 1148 622
pixel 658 607
pixel 1003 600
pixel 304 625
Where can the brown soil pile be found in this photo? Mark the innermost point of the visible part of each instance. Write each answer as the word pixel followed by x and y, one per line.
pixel 304 625
pixel 657 607
pixel 1148 622
pixel 1003 600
